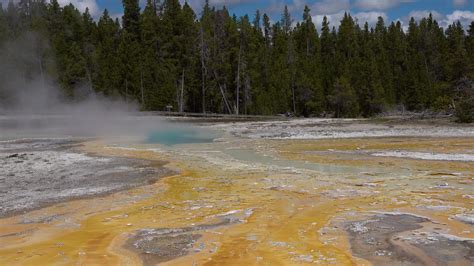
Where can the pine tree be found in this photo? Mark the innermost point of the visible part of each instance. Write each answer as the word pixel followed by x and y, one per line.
pixel 261 69
pixel 188 59
pixel 252 63
pixel 286 21
pixel 281 89
pixel 457 61
pixel 205 47
pixel 328 57
pixel 150 77
pixel 107 76
pixel 368 79
pixel 67 43
pixel 346 62
pixel 88 45
pixel 129 52
pixel 343 100
pixel 346 44
pixel 310 96
pixel 131 18
pixel 470 49
pixel 396 50
pixel 380 44
pixel 170 48
pixel 417 75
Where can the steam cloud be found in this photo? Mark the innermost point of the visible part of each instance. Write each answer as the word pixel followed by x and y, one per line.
pixel 31 104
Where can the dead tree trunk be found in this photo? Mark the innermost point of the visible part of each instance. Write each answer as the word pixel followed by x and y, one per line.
pixel 224 98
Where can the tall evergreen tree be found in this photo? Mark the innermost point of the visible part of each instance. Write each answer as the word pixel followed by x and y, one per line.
pixel 150 75
pixel 457 61
pixel 418 88
pixel 188 60
pixel 396 50
pixel 107 75
pixel 470 49
pixel 309 92
pixel 129 52
pixel 328 59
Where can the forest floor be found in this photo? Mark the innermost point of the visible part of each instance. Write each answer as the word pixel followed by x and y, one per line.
pixel 300 191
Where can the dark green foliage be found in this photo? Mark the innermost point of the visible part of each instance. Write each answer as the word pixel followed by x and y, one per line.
pixel 129 52
pixel 470 49
pixel 107 72
pixel 344 100
pixel 465 111
pixel 165 56
pixel 309 91
pixel 442 104
pixel 464 100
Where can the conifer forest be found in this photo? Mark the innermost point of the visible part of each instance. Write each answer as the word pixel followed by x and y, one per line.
pixel 169 56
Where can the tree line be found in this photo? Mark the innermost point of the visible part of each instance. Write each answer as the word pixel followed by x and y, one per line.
pixel 165 56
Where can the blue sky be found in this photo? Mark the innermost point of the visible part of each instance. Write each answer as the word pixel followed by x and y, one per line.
pixel 445 11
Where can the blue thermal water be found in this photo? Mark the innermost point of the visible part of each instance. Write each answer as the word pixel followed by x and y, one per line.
pixel 176 136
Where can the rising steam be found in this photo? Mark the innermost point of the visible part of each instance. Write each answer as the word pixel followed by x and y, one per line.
pixel 32 104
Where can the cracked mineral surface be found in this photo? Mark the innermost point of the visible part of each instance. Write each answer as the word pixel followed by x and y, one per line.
pixel 36 173
pixel 297 192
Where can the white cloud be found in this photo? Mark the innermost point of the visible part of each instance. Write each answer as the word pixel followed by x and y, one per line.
pixel 116 15
pixel 276 7
pixel 334 19
pixel 330 6
pixel 419 14
pixel 229 2
pixel 370 17
pixel 459 3
pixel 198 4
pixel 463 16
pixel 94 9
pixel 360 17
pixel 379 4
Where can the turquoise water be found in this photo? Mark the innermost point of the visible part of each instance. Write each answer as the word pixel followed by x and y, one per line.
pixel 174 136
pixel 252 156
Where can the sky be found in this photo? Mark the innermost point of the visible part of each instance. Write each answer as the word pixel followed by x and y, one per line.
pixel 445 11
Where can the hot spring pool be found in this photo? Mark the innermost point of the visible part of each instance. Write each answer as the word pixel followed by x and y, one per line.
pixel 174 136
